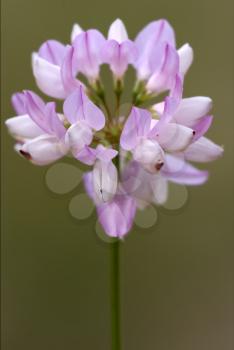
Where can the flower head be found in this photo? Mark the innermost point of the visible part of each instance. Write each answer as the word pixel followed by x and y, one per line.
pixel 132 155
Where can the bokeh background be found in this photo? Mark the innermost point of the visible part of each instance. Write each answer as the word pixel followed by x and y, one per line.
pixel 177 277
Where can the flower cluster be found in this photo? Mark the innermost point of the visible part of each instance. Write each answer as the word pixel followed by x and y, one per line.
pixel 132 155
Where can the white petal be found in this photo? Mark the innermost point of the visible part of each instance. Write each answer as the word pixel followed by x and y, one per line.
pixel 117 31
pixel 43 150
pixel 78 136
pixel 105 180
pixel 174 137
pixel 186 58
pixel 191 109
pixel 23 127
pixel 203 150
pixel 150 155
pixel 48 77
pixel 76 30
pixel 159 186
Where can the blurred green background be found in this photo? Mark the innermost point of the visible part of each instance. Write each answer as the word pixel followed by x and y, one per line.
pixel 177 277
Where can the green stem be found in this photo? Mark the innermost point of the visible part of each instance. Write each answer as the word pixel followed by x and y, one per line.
pixel 115 296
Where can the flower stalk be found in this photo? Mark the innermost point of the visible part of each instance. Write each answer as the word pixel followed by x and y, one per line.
pixel 115 296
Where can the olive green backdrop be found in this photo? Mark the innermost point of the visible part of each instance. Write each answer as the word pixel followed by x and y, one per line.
pixel 177 277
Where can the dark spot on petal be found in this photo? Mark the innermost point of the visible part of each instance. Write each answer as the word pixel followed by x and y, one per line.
pixel 194 132
pixel 158 166
pixel 25 154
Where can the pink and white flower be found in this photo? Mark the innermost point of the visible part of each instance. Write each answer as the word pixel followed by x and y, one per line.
pixel 134 156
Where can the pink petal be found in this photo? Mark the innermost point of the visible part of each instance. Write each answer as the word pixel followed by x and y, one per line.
pixel 163 79
pixel 68 73
pixel 117 217
pixel 136 126
pixel 18 102
pixel 52 51
pixel 149 42
pixel 202 126
pixel 119 56
pixel 185 174
pixel 88 51
pixel 55 125
pixel 78 107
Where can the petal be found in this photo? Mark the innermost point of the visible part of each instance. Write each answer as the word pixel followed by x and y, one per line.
pixel 185 174
pixel 105 180
pixel 78 136
pixel 55 125
pixel 76 30
pixel 119 56
pixel 105 154
pixel 48 77
pixel 52 51
pixel 186 58
pixel 43 150
pixel 164 78
pixel 149 44
pixel 150 155
pixel 87 155
pixel 174 137
pixel 117 217
pixel 78 107
pixel 35 108
pixel 203 150
pixel 167 109
pixel 88 51
pixel 136 126
pixel 117 31
pixel 159 187
pixel 23 127
pixel 68 73
pixel 202 126
pixel 191 109
pixel 18 102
